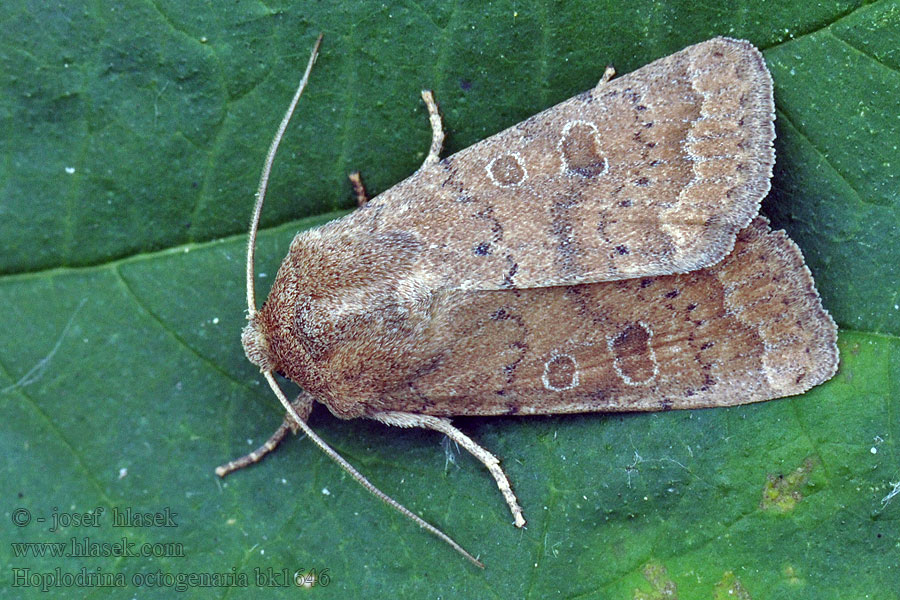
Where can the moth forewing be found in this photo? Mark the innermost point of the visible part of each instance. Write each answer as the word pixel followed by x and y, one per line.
pixel 650 173
pixel 746 329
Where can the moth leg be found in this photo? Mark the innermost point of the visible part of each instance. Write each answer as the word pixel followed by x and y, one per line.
pixel 608 74
pixel 437 131
pixel 359 189
pixel 401 419
pixel 303 404
pixel 434 153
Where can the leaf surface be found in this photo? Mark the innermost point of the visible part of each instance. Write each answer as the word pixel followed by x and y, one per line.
pixel 136 132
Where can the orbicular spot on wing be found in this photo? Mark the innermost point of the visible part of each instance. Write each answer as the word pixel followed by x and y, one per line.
pixel 507 170
pixel 560 372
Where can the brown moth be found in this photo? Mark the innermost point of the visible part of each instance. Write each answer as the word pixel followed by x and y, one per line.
pixel 603 255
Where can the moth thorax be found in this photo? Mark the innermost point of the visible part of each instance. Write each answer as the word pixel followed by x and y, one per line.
pixel 256 347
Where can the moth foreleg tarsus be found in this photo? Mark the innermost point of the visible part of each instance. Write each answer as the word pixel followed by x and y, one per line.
pixel 303 405
pixel 437 130
pixel 257 455
pixel 359 189
pixel 608 74
pixel 401 419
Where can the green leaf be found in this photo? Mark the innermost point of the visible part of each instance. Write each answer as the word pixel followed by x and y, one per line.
pixel 134 137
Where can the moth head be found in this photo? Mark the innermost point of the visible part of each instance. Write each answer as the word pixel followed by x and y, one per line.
pixel 266 329
pixel 256 345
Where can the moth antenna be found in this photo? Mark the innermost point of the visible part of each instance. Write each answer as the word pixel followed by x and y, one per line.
pixel 359 477
pixel 251 305
pixel 264 177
